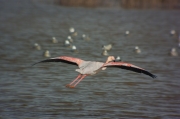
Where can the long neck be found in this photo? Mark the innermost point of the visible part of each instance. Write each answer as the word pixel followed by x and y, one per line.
pixel 109 59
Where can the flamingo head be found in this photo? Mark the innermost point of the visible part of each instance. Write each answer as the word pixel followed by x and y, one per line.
pixel 110 59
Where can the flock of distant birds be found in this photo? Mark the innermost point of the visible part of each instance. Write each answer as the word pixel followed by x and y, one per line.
pixel 173 51
pixel 105 48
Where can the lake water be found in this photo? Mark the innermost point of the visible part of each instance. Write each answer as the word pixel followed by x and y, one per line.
pixel 39 92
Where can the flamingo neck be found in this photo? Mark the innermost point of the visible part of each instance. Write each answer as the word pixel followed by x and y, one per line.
pixel 110 59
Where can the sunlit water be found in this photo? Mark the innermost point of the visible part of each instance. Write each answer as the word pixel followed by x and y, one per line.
pixel 40 92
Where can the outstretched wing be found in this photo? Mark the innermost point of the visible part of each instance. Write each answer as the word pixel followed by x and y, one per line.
pixel 64 59
pixel 128 66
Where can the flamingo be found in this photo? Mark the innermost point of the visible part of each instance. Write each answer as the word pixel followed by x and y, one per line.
pixel 87 68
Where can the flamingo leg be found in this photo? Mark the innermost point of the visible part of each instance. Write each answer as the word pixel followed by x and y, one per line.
pixel 83 76
pixel 68 85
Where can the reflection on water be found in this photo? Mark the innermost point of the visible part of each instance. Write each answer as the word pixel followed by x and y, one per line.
pixel 40 92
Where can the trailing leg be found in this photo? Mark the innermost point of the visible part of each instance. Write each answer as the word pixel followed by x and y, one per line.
pixel 69 85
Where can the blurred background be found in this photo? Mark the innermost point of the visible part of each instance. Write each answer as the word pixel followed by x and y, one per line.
pixel 142 32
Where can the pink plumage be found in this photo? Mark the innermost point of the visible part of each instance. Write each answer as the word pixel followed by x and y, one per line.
pixel 92 67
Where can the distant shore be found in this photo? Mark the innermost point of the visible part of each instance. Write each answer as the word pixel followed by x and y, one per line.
pixel 126 4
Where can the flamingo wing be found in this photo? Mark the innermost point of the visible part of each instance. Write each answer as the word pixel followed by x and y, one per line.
pixel 64 59
pixel 128 66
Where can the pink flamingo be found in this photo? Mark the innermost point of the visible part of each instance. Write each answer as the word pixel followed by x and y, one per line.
pixel 92 67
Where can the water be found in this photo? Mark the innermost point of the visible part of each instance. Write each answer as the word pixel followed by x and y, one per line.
pixel 40 92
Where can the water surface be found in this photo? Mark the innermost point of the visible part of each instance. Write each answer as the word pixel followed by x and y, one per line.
pixel 40 92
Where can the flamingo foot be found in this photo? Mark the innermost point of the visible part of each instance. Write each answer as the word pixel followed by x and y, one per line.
pixel 70 86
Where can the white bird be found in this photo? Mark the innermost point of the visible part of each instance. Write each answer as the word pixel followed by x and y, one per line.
pixel 47 53
pixel 173 52
pixel 66 43
pixel 172 32
pixel 137 50
pixel 107 47
pixel 70 39
pixel 54 40
pixel 85 37
pixel 37 46
pixel 73 47
pixel 105 53
pixel 127 33
pixel 118 58
pixel 71 30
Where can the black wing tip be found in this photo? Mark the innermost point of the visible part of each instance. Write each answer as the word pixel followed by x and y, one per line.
pixel 56 59
pixel 150 74
pixel 154 76
pixel 35 64
pixel 42 61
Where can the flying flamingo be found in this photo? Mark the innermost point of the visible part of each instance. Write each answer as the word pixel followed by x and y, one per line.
pixel 87 68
